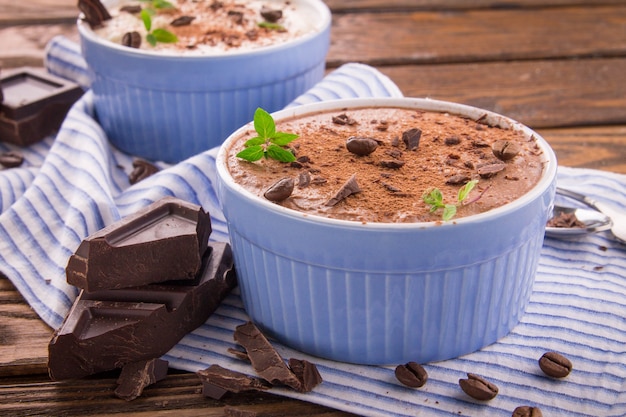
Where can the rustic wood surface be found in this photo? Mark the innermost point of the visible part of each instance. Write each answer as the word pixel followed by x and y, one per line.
pixel 558 66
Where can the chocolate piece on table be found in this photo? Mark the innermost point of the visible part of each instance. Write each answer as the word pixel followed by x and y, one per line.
pixel 161 242
pixel 306 372
pixel 138 375
pixel 217 381
pixel 34 104
pixel 264 359
pixel 108 329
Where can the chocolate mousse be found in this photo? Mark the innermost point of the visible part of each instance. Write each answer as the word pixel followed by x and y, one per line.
pixel 377 164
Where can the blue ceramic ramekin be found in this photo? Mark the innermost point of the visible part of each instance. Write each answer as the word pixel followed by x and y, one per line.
pixel 383 293
pixel 165 107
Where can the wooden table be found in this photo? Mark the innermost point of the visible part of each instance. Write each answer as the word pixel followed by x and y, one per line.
pixel 558 66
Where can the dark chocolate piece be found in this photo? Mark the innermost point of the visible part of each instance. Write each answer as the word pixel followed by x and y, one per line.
pixel 94 12
pixel 217 381
pixel 138 375
pixel 306 372
pixel 265 360
pixel 11 159
pixel 142 169
pixel 348 188
pixel 161 242
pixel 108 329
pixel 34 104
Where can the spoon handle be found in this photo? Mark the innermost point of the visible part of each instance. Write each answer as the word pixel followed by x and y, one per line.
pixel 579 197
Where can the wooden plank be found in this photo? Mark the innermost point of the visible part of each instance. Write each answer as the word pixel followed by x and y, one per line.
pixel 395 38
pixel 177 395
pixel 32 40
pixel 540 94
pixel 37 11
pixel 600 147
pixel 342 6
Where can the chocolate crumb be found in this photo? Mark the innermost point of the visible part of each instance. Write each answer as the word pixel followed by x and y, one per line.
pixel 138 375
pixel 458 179
pixel 142 170
pixel 348 188
pixel 217 381
pixel 393 164
pixel 343 119
pixel 411 138
pixel 304 179
pixel 182 21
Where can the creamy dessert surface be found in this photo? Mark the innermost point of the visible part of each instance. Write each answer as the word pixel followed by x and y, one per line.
pixel 214 27
pixel 452 150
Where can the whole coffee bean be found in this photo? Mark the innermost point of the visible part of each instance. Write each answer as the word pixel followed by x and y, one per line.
pixel 361 146
pixel 555 365
pixel 11 159
pixel 478 387
pixel 527 411
pixel 132 39
pixel 505 150
pixel 280 190
pixel 412 374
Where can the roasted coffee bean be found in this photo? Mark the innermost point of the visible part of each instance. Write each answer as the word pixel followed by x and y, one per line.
pixel 182 21
pixel 478 387
pixel 361 146
pixel 280 190
pixel 131 39
pixel 411 138
pixel 527 411
pixel 412 374
pixel 505 150
pixel 555 365
pixel 458 179
pixel 271 15
pixel 11 159
pixel 141 170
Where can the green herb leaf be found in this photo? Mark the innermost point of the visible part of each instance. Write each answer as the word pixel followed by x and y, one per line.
pixel 434 199
pixel 164 36
pixel 252 153
pixel 264 124
pixel 162 4
pixel 282 138
pixel 448 212
pixel 279 154
pixel 146 17
pixel 466 189
pixel 272 26
pixel 151 39
pixel 257 140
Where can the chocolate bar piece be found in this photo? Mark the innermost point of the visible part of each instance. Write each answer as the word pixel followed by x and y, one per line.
pixel 108 329
pixel 138 375
pixel 264 358
pixel 163 241
pixel 34 104
pixel 306 372
pixel 217 381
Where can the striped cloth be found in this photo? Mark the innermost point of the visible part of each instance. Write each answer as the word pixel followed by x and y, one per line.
pixel 75 184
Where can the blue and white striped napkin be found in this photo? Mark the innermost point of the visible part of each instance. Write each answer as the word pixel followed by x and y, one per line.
pixel 75 184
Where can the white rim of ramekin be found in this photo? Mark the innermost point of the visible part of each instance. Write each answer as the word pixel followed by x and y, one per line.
pixel 321 8
pixel 547 177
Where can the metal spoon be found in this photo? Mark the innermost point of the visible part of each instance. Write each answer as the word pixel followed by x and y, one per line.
pixel 593 220
pixel 616 216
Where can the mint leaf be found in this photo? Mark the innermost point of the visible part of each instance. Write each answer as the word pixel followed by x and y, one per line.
pixel 434 198
pixel 151 39
pixel 264 124
pixel 466 189
pixel 279 154
pixel 146 17
pixel 164 36
pixel 253 153
pixel 448 212
pixel 271 26
pixel 257 140
pixel 268 143
pixel 282 138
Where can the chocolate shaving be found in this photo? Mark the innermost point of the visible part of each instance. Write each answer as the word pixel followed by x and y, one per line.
pixel 306 372
pixel 348 188
pixel 264 359
pixel 138 375
pixel 182 21
pixel 411 138
pixel 142 170
pixel 391 163
pixel 304 179
pixel 94 11
pixel 458 179
pixel 217 381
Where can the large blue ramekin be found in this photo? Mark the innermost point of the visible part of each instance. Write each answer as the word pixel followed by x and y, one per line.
pixel 164 107
pixel 386 293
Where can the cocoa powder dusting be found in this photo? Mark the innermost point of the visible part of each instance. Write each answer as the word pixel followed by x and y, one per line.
pixel 393 192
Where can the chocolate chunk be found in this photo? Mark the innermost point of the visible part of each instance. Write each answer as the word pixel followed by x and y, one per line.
pixel 452 140
pixel 161 242
pixel 391 163
pixel 11 159
pixel 348 188
pixel 271 15
pixel 182 21
pixel 361 146
pixel 34 104
pixel 138 375
pixel 304 179
pixel 94 12
pixel 132 39
pixel 264 359
pixel 458 179
pixel 280 190
pixel 142 169
pixel 109 329
pixel 411 138
pixel 306 372
pixel 131 8
pixel 343 119
pixel 217 381
pixel 490 170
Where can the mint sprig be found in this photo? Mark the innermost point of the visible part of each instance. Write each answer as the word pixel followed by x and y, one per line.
pixel 156 35
pixel 268 143
pixel 434 198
